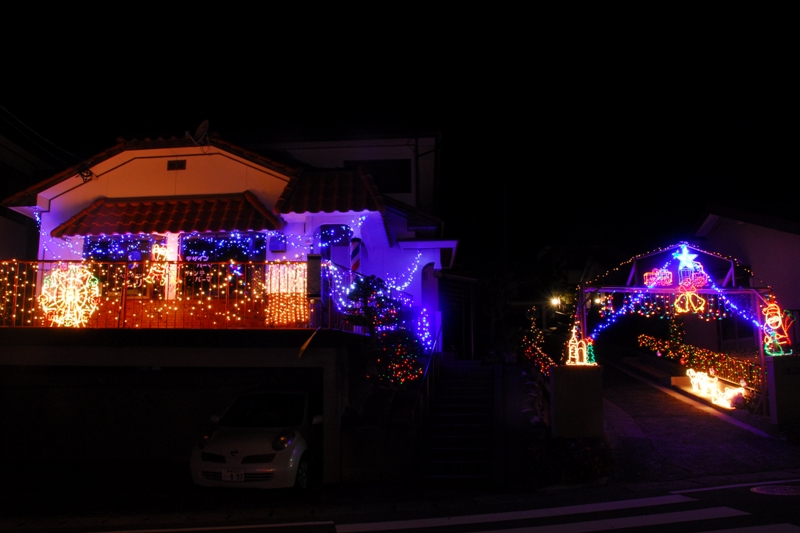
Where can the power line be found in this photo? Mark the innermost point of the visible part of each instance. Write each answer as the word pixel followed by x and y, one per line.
pixel 35 138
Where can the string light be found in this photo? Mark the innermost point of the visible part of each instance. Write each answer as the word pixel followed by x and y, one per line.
pixel 708 387
pixel 217 284
pixel 532 347
pixel 398 359
pixel 741 369
pixel 660 277
pixel 70 295
pixel 394 284
pixel 776 329
pixel 686 299
pixel 579 351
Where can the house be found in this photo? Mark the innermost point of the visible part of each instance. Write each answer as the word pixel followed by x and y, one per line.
pixel 171 252
pixel 176 209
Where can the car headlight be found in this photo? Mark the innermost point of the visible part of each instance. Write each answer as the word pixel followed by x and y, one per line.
pixel 283 440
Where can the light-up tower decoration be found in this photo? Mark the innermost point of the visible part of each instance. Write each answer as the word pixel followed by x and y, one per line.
pixel 673 282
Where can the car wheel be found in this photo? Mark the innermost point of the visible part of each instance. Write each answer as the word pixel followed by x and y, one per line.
pixel 303 477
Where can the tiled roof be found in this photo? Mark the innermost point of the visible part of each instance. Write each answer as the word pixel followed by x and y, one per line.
pixel 225 212
pixel 330 191
pixel 28 195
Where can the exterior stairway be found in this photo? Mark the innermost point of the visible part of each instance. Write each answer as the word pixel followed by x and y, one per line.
pixel 457 445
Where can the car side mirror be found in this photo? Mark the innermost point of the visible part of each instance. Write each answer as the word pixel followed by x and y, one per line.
pixel 316 420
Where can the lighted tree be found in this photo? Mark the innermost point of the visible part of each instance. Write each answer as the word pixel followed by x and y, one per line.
pixel 533 346
pixel 397 357
pixel 373 307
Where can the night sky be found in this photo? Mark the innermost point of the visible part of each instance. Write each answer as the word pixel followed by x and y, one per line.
pixel 584 157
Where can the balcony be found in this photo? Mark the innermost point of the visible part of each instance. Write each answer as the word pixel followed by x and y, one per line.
pixel 179 295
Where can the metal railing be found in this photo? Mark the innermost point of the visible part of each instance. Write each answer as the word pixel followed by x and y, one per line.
pixel 168 294
pixel 426 393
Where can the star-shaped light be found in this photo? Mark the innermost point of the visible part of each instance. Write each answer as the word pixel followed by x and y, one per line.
pixel 686 259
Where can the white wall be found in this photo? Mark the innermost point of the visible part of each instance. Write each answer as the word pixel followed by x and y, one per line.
pixel 144 174
pixel 773 256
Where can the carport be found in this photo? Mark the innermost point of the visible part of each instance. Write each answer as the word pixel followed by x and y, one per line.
pixel 54 375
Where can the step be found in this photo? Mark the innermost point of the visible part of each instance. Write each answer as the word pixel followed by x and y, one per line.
pixel 455 455
pixel 455 468
pixel 471 408
pixel 449 418
pixel 460 430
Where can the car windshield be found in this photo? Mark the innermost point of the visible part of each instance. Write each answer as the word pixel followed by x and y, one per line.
pixel 267 410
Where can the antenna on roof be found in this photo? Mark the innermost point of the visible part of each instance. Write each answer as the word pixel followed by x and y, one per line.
pixel 201 132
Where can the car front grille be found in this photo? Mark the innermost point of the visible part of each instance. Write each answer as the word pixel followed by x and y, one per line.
pixel 259 476
pixel 212 457
pixel 255 476
pixel 263 458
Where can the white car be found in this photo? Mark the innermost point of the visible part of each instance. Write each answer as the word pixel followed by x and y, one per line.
pixel 260 442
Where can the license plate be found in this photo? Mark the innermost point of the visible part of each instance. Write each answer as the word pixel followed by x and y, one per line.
pixel 233 474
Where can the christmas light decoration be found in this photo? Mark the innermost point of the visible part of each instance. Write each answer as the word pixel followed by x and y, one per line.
pixel 284 286
pixel 776 330
pixel 398 359
pixel 220 280
pixel 579 351
pixel 686 259
pixel 533 347
pixel 660 277
pixel 709 387
pixel 424 330
pixel 69 295
pixel 733 369
pixel 158 266
pixel 688 299
pixel 395 284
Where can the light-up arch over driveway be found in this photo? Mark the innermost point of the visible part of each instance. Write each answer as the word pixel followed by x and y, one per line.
pixel 681 282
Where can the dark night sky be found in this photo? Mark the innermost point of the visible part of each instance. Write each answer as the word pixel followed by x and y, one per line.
pixel 575 153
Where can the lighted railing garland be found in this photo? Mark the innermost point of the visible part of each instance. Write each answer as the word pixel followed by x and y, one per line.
pixel 721 365
pixel 154 294
pixel 165 294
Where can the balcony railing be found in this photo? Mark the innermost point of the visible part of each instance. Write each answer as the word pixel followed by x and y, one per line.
pixel 168 294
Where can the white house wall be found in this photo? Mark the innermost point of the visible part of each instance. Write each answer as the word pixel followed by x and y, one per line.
pixel 771 254
pixel 145 174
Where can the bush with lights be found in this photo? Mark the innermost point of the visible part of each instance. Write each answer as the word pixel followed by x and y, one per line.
pixel 397 349
pixel 373 307
pixel 397 360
